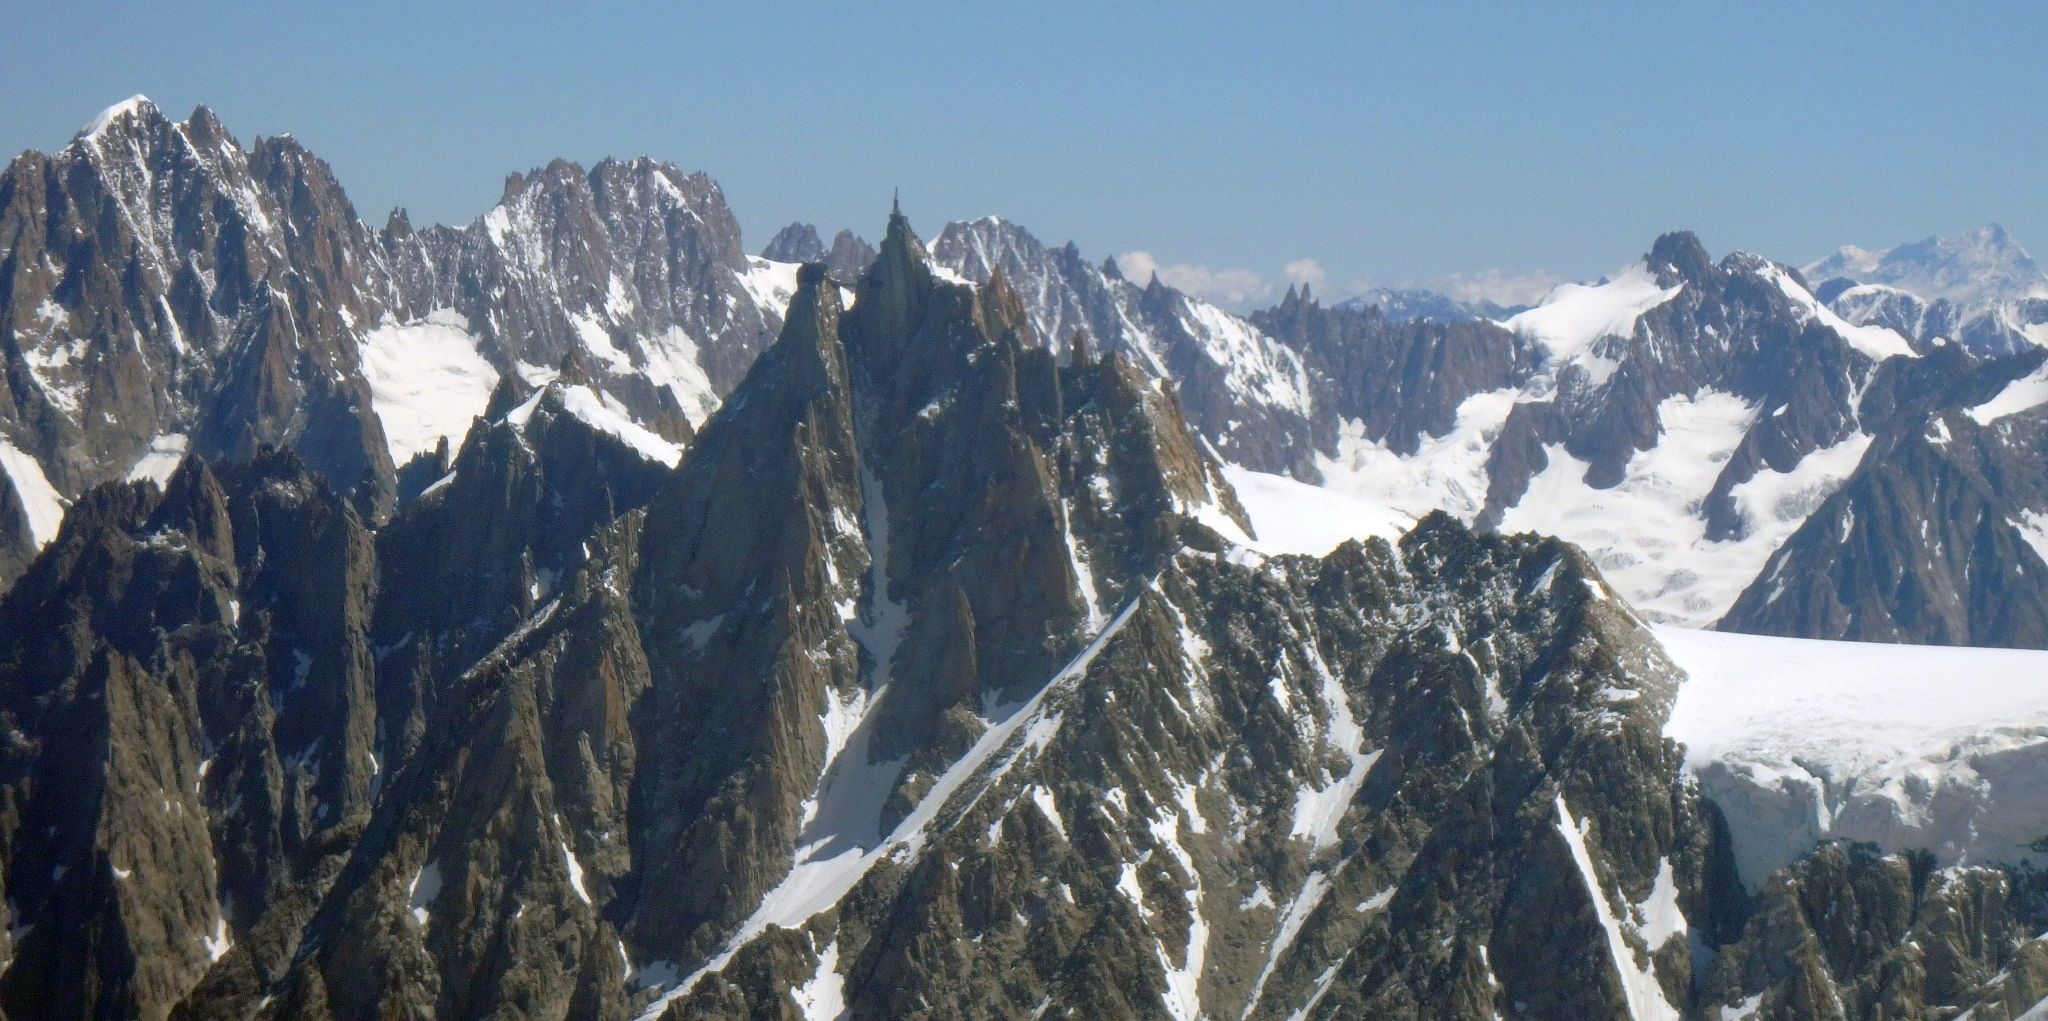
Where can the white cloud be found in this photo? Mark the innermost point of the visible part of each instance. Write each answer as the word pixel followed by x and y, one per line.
pixel 1306 271
pixel 1240 289
pixel 1504 287
pixel 1232 287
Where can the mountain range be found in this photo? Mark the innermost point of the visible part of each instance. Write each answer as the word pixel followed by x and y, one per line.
pixel 570 615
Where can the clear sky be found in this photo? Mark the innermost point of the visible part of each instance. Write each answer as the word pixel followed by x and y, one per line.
pixel 1383 143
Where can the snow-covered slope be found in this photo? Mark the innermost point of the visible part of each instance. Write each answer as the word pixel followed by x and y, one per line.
pixel 1295 517
pixel 1678 420
pixel 1909 747
pixel 1574 316
pixel 41 507
pixel 1978 288
pixel 1972 267
pixel 427 381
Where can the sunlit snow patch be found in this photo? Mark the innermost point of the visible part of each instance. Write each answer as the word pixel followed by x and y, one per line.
pixel 39 500
pixel 2023 394
pixel 1878 342
pixel 161 460
pixel 1573 316
pixel 427 381
pixel 605 414
pixel 1446 472
pixel 1295 517
pixel 771 284
pixel 1647 535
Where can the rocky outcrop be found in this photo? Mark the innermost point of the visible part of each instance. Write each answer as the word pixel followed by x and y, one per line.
pixel 165 286
pixel 1852 934
pixel 931 680
pixel 1247 396
pixel 167 291
pixel 797 243
pixel 849 257
pixel 1921 545
pixel 1402 380
pixel 189 685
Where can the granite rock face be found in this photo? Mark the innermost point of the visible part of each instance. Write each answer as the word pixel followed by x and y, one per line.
pixel 929 681
pixel 167 291
pixel 914 656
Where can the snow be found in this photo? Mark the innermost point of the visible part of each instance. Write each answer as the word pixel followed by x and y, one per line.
pixel 1639 986
pixel 1744 1010
pixel 1127 884
pixel 823 996
pixel 2036 333
pixel 671 361
pixel 844 774
pixel 1257 367
pixel 40 503
pixel 1322 989
pixel 1447 472
pixel 420 894
pixel 1908 747
pixel 1974 267
pixel 1182 995
pixel 438 484
pixel 829 861
pixel 1573 316
pixel 591 333
pixel 1647 534
pixel 771 284
pixel 1049 808
pixel 1658 916
pixel 603 413
pixel 1295 517
pixel 2033 527
pixel 1878 342
pixel 165 451
pixel 1318 811
pixel 1084 573
pixel 2023 394
pixel 575 872
pixel 427 381
pixel 129 107
pixel 220 942
pixel 1304 904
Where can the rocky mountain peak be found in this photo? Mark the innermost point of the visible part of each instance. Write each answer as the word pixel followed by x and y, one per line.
pixel 134 114
pixel 797 242
pixel 849 257
pixel 1974 267
pixel 938 675
pixel 1681 256
pixel 204 128
pixel 895 289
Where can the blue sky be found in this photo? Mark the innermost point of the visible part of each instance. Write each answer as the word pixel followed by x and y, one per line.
pixel 1360 143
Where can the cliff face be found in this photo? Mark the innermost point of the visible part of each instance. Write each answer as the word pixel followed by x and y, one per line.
pixel 928 682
